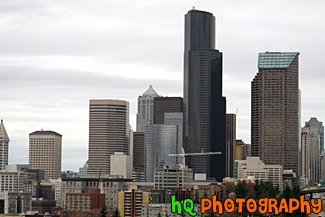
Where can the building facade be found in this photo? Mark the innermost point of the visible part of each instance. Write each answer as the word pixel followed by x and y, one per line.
pixel 45 152
pixel 231 144
pixel 166 104
pixel 255 168
pixel 85 201
pixel 121 165
pixel 160 140
pixel 204 105
pixel 130 202
pixel 146 109
pixel 108 133
pixel 173 178
pixel 275 112
pixel 138 156
pixel 15 202
pixel 4 146
pixel 305 155
pixel 316 128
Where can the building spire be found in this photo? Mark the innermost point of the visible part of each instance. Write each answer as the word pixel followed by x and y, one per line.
pixel 3 133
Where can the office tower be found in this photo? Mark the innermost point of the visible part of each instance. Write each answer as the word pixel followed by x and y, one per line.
pixel 4 146
pixel 146 109
pixel 176 119
pixel 160 140
pixel 138 155
pixel 322 167
pixel 243 150
pixel 316 128
pixel 314 157
pixel 166 104
pixel 108 133
pixel 275 110
pixel 231 144
pixel 45 152
pixel 305 155
pixel 204 105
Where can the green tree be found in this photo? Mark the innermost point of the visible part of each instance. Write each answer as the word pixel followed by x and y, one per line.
pixel 103 212
pixel 116 213
pixel 241 189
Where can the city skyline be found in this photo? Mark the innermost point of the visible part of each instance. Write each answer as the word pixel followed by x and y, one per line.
pixel 51 79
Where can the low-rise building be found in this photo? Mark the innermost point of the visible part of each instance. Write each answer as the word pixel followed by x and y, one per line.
pixel 171 178
pixel 130 202
pixel 85 201
pixel 15 202
pixel 258 170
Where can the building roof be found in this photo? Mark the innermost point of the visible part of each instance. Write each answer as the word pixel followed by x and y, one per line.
pixel 150 92
pixel 45 132
pixel 271 60
pixel 3 133
pixel 313 120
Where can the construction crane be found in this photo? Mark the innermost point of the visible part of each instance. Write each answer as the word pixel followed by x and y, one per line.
pixel 183 155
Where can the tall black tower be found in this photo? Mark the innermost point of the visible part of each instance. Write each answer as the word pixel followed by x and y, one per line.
pixel 204 105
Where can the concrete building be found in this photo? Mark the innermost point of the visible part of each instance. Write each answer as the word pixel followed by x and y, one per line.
pixel 146 109
pixel 160 140
pixel 231 144
pixel 108 133
pixel 254 167
pixel 172 178
pixel 305 155
pixel 275 111
pixel 316 128
pixel 322 168
pixel 110 186
pixel 163 105
pixel 204 105
pixel 84 170
pixel 85 201
pixel 4 146
pixel 121 165
pixel 164 210
pixel 14 202
pixel 310 156
pixel 314 158
pixel 13 180
pixel 138 156
pixel 45 152
pixel 130 202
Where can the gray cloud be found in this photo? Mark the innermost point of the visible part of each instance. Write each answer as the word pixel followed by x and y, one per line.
pixel 56 55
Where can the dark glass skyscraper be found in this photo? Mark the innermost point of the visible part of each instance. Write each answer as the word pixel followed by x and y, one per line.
pixel 204 105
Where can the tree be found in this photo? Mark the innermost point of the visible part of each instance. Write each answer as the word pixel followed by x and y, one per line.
pixel 116 213
pixel 103 212
pixel 241 189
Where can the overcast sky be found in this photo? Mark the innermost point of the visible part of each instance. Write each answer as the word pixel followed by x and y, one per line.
pixel 55 55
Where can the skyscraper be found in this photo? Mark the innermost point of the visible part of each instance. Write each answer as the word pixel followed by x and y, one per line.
pixel 4 146
pixel 316 128
pixel 166 104
pixel 45 152
pixel 160 140
pixel 108 132
pixel 204 105
pixel 231 143
pixel 275 118
pixel 146 109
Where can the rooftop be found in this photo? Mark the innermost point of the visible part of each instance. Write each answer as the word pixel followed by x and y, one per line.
pixel 3 133
pixel 276 59
pixel 45 132
pixel 150 92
